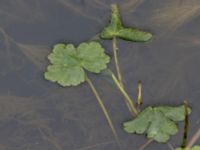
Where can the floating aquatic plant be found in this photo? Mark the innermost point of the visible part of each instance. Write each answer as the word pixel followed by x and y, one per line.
pixel 189 145
pixel 69 64
pixel 118 30
pixel 115 30
pixel 158 122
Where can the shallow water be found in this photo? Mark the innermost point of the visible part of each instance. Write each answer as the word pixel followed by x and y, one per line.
pixel 38 115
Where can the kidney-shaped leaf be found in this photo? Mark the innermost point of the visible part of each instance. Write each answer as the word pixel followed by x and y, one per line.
pixel 174 113
pixel 116 29
pixel 92 56
pixel 197 147
pixel 65 76
pixel 68 63
pixel 157 122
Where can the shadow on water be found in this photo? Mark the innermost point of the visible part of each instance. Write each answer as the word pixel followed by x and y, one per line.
pixel 38 115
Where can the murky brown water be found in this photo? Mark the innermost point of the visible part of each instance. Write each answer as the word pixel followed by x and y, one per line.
pixel 38 115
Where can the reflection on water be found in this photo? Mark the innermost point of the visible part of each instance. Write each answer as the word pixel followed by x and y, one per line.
pixel 176 14
pixel 38 115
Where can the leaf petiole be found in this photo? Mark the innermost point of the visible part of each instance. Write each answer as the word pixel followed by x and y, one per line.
pixel 108 118
pixel 115 49
pixel 194 139
pixel 128 100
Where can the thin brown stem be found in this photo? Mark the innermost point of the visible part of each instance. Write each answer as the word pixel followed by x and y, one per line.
pixel 194 139
pixel 115 49
pixel 170 146
pixel 146 144
pixel 101 104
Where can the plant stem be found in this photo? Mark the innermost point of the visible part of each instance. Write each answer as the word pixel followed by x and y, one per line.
pixel 146 144
pixel 170 146
pixel 103 109
pixel 193 140
pixel 128 100
pixel 119 80
pixel 139 95
pixel 119 76
pixel 186 125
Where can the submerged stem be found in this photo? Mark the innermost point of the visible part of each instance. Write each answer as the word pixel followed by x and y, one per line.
pixel 128 100
pixel 119 75
pixel 104 110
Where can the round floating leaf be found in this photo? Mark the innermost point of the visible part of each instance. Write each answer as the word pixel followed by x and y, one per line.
pixel 157 122
pixel 116 29
pixel 68 63
pixel 92 56
pixel 140 124
pixel 65 76
pixel 64 55
pixel 161 127
pixel 65 68
pixel 174 113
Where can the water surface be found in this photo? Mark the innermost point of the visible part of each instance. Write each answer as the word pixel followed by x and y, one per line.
pixel 38 115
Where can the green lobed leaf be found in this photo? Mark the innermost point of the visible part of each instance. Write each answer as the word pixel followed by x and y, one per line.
pixel 161 127
pixel 116 29
pixel 65 76
pixel 174 113
pixel 197 147
pixel 157 122
pixel 63 55
pixel 68 63
pixel 92 56
pixel 140 124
